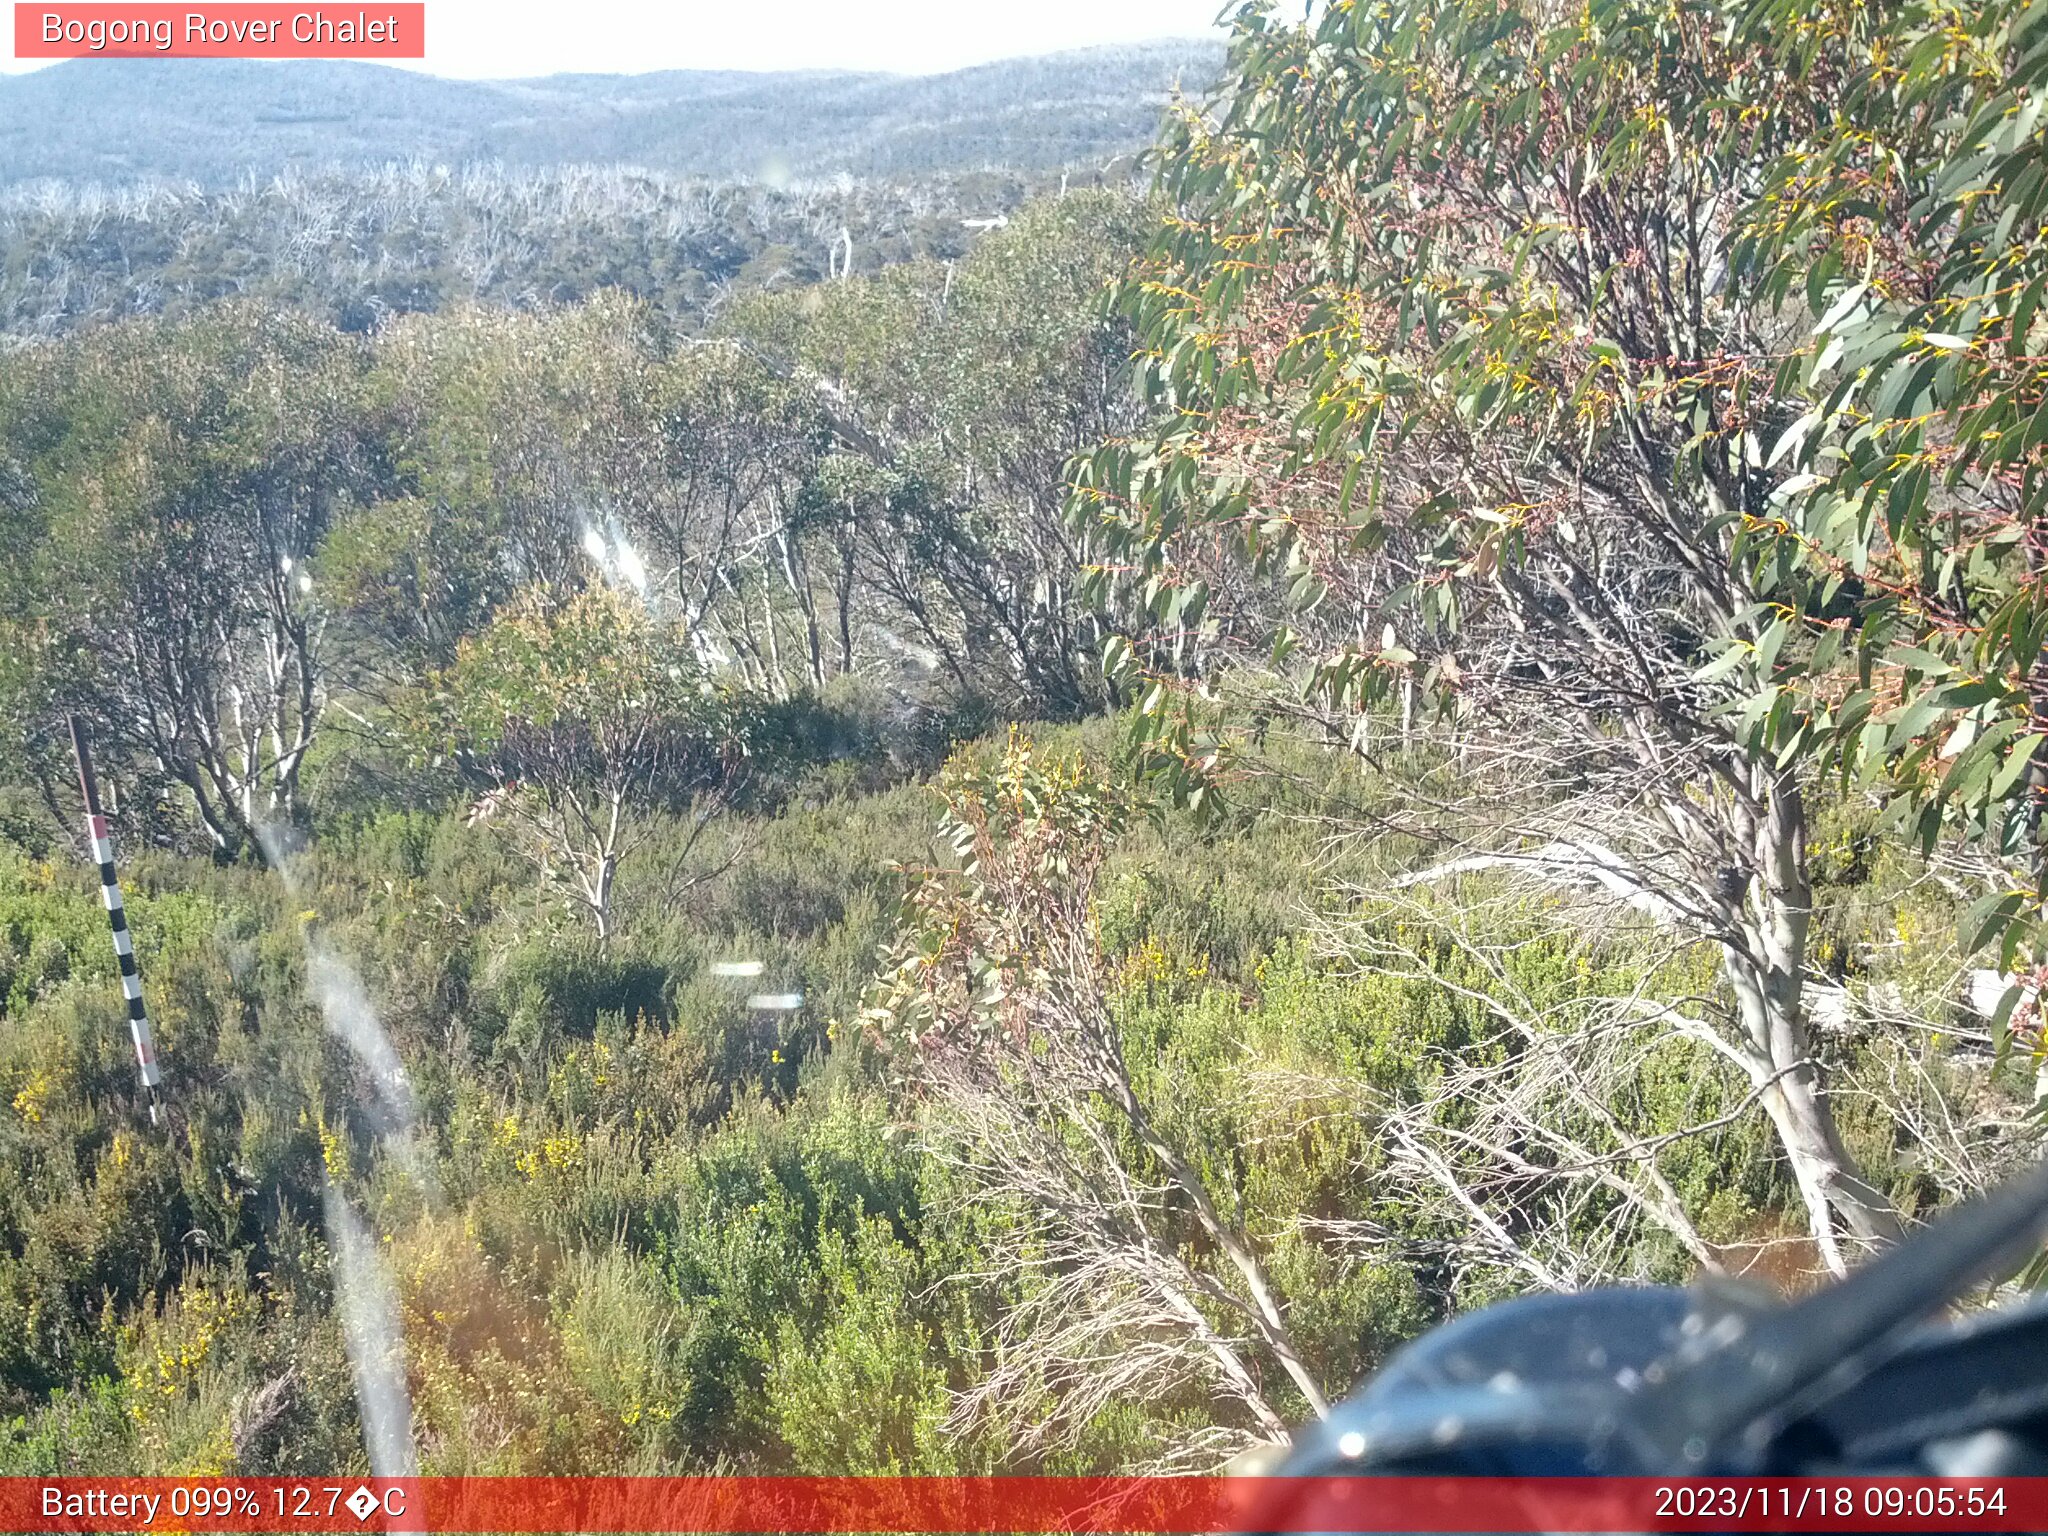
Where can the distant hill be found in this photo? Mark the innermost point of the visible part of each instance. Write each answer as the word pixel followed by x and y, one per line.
pixel 216 120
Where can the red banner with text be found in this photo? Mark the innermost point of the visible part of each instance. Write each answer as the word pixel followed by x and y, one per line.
pixel 1112 1506
pixel 236 31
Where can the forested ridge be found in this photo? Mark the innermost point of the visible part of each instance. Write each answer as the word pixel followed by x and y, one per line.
pixel 213 122
pixel 1028 850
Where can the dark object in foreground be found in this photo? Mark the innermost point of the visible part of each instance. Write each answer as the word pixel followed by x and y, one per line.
pixel 1857 1380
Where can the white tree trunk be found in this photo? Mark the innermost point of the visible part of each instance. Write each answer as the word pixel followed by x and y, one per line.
pixel 1767 972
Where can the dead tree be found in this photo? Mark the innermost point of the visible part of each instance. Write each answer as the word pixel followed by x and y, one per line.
pixel 1133 1277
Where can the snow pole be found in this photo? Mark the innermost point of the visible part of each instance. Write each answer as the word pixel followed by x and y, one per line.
pixel 117 915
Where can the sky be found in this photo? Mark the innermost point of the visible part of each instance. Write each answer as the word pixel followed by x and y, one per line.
pixel 502 39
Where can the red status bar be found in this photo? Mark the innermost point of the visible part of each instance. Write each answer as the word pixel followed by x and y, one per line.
pixel 770 1506
pixel 229 31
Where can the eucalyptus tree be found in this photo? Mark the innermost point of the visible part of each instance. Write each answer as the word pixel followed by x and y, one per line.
pixel 177 483
pixel 511 437
pixel 581 718
pixel 952 397
pixel 1460 378
pixel 1904 218
pixel 1135 1268
pixel 735 442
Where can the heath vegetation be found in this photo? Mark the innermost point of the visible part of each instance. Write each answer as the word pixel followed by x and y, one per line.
pixel 1027 854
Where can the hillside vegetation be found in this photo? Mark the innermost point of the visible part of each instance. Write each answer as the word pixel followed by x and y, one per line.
pixel 361 247
pixel 1029 855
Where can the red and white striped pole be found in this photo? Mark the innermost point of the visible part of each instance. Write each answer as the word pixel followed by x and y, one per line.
pixel 110 893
